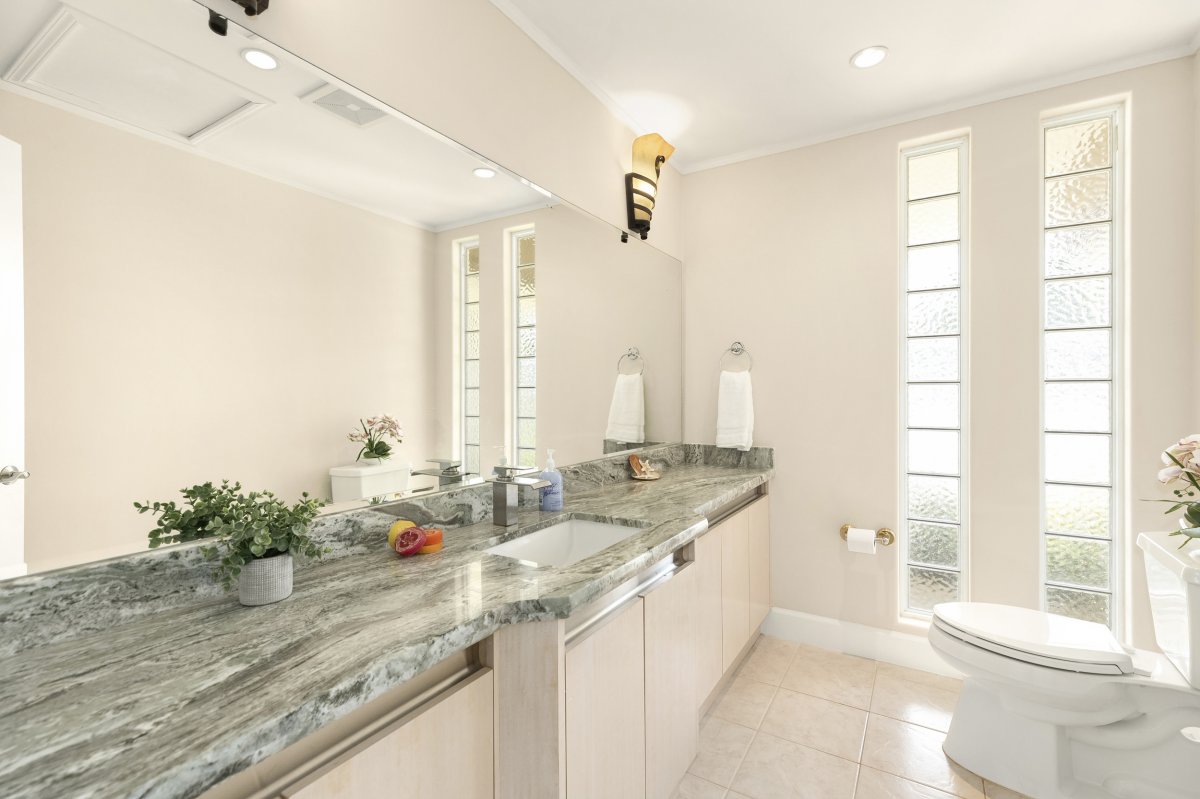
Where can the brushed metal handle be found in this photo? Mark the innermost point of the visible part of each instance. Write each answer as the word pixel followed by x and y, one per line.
pixel 11 474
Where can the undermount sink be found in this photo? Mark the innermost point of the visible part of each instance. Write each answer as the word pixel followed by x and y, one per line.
pixel 564 543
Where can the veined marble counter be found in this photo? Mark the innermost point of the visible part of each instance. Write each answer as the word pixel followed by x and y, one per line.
pixel 168 703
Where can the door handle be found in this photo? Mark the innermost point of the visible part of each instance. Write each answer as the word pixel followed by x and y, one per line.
pixel 11 474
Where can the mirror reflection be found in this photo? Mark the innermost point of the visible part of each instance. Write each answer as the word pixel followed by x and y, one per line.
pixel 237 266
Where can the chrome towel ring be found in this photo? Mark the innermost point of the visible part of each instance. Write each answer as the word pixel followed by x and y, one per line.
pixel 633 355
pixel 737 350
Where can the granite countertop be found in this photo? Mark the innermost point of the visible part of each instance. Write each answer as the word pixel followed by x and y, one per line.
pixel 167 704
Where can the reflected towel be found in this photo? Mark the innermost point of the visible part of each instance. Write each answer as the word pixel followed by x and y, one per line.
pixel 627 414
pixel 735 411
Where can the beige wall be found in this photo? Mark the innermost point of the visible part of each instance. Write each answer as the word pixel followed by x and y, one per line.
pixel 803 268
pixel 186 321
pixel 461 67
pixel 596 298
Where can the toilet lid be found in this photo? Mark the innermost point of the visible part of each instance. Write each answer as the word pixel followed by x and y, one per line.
pixel 1046 639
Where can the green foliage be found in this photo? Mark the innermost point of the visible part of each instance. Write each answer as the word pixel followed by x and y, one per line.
pixel 245 526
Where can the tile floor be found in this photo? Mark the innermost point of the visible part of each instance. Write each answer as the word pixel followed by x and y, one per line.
pixel 799 722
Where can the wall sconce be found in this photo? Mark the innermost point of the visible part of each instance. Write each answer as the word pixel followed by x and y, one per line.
pixel 650 152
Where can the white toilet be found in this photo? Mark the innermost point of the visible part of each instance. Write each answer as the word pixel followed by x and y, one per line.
pixel 1056 708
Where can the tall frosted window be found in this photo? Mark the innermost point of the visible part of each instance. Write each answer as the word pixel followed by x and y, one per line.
pixel 524 249
pixel 934 256
pixel 469 265
pixel 1081 217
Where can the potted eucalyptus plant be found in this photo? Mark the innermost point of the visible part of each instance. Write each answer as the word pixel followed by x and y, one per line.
pixel 254 536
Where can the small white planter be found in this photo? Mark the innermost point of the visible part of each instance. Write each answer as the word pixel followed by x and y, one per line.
pixel 265 580
pixel 370 477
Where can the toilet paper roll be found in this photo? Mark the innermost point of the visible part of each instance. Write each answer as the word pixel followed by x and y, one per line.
pixel 860 540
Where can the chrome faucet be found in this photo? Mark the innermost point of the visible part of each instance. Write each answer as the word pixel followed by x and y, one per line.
pixel 447 473
pixel 506 492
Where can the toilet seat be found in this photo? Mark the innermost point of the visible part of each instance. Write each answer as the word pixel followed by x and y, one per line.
pixel 1032 636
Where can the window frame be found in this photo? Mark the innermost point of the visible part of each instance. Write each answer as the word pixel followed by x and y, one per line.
pixel 515 235
pixel 463 246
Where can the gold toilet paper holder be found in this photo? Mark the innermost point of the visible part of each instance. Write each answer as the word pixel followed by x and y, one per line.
pixel 883 536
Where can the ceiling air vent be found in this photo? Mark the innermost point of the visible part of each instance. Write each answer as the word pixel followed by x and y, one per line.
pixel 353 109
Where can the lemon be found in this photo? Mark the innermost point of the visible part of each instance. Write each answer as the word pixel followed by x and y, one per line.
pixel 398 528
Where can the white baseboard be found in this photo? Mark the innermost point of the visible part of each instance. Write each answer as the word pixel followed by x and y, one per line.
pixel 892 646
pixel 13 570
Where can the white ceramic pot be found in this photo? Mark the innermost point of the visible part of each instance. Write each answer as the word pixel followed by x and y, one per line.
pixel 370 477
pixel 265 580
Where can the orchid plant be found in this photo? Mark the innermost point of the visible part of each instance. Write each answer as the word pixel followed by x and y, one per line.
pixel 373 434
pixel 1183 468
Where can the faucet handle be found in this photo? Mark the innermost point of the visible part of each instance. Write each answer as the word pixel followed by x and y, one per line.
pixel 506 472
pixel 446 466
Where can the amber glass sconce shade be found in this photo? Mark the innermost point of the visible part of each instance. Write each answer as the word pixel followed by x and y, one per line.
pixel 650 152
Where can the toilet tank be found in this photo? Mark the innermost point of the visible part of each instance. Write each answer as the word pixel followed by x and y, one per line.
pixel 1173 579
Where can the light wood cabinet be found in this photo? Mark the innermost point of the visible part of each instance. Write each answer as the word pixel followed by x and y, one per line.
pixel 708 619
pixel 671 644
pixel 760 562
pixel 606 710
pixel 443 750
pixel 735 586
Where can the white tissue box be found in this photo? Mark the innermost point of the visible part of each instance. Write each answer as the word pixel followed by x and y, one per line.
pixel 368 479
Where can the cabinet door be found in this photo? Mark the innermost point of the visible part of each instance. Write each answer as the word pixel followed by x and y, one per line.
pixel 444 751
pixel 606 711
pixel 708 619
pixel 760 563
pixel 735 586
pixel 672 719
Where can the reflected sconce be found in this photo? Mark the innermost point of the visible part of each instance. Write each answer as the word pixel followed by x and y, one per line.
pixel 650 152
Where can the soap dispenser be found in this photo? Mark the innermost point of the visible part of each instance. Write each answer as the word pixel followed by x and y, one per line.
pixel 552 495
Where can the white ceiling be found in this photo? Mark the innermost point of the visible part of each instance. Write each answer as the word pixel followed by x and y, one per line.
pixel 154 68
pixel 726 81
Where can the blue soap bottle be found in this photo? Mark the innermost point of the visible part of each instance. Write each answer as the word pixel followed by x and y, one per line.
pixel 552 495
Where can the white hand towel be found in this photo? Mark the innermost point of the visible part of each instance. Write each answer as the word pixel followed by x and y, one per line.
pixel 627 414
pixel 735 411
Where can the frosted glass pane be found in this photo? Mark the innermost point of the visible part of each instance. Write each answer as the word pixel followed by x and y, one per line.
pixel 527 311
pixel 927 587
pixel 1084 605
pixel 932 221
pixel 472 460
pixel 1079 355
pixel 527 372
pixel 933 406
pixel 527 342
pixel 471 401
pixel 473 260
pixel 471 374
pixel 472 292
pixel 526 402
pixel 1077 458
pixel 933 451
pixel 933 359
pixel 1078 199
pixel 526 247
pixel 1077 561
pixel 933 175
pixel 1085 302
pixel 933 267
pixel 526 282
pixel 933 544
pixel 933 498
pixel 527 457
pixel 472 316
pixel 472 344
pixel 471 430
pixel 933 313
pixel 1078 147
pixel 1078 407
pixel 526 432
pixel 1085 250
pixel 1081 510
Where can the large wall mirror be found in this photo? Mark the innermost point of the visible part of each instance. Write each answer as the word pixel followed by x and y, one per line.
pixel 226 267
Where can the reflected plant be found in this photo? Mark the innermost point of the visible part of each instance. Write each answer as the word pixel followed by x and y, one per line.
pixel 373 434
pixel 1183 468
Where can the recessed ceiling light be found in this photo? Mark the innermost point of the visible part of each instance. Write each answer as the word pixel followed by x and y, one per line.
pixel 260 59
pixel 484 172
pixel 869 56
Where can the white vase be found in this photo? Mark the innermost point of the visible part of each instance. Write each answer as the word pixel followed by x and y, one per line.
pixel 266 580
pixel 370 477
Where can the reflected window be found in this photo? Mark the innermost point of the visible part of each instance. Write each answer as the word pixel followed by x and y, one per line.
pixel 933 463
pixel 524 258
pixel 469 275
pixel 1080 275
